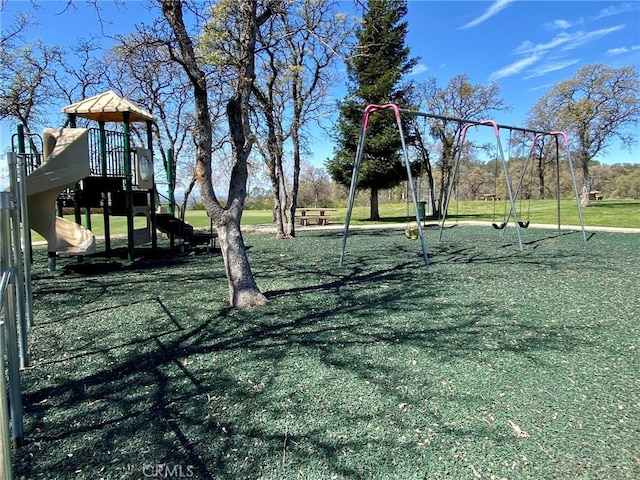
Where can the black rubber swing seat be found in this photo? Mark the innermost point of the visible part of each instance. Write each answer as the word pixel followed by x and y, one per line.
pixel 524 224
pixel 499 226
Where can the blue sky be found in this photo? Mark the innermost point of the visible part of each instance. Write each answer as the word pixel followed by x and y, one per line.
pixel 524 46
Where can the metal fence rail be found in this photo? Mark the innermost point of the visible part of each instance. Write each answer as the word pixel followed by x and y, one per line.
pixel 15 307
pixel 5 436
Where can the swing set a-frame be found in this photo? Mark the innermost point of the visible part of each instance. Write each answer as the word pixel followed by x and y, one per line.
pixel 513 195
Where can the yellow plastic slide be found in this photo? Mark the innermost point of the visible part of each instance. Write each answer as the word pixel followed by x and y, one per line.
pixel 66 161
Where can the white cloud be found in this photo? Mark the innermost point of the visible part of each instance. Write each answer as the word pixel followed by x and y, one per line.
pixel 540 87
pixel 419 68
pixel 568 41
pixel 580 38
pixel 617 51
pixel 528 48
pixel 561 24
pixel 533 53
pixel 616 10
pixel 494 9
pixel 621 50
pixel 515 67
pixel 550 67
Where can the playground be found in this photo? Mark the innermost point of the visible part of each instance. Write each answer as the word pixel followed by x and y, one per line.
pixel 506 352
pixel 489 363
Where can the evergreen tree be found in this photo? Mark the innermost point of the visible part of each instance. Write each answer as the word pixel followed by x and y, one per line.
pixel 375 74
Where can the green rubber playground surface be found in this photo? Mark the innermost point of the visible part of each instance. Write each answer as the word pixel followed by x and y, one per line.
pixel 491 363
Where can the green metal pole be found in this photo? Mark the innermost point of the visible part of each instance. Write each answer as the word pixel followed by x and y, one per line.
pixel 172 186
pixel 76 187
pixel 87 218
pixel 171 181
pixel 128 184
pixel 21 144
pixel 558 182
pixel 105 195
pixel 152 193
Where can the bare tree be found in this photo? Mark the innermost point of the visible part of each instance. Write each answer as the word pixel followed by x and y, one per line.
pixel 315 185
pixel 82 72
pixel 297 48
pixel 316 36
pixel 459 99
pixel 596 107
pixel 26 79
pixel 243 290
pixel 144 72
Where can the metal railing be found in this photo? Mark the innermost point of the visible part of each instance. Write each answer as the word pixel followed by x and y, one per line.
pixel 5 438
pixel 16 306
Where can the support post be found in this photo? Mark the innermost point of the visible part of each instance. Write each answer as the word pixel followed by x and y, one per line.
pixel 104 195
pixel 25 237
pixel 152 193
pixel 172 188
pixel 356 167
pixel 558 183
pixel 76 187
pixel 565 143
pixel 128 185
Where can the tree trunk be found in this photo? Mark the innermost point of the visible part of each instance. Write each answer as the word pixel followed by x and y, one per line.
pixel 295 138
pixel 278 219
pixel 283 198
pixel 587 186
pixel 243 291
pixel 242 287
pixel 445 181
pixel 187 194
pixel 296 88
pixel 273 156
pixel 375 215
pixel 540 171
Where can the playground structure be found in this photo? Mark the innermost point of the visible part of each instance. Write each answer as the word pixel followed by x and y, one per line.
pixel 517 223
pixel 89 168
pixel 69 167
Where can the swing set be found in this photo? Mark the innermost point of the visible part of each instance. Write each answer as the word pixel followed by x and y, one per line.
pixel 512 196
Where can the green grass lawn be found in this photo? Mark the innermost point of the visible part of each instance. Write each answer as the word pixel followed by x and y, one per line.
pixel 490 363
pixel 606 213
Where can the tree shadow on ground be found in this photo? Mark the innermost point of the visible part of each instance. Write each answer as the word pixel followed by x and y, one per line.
pixel 212 394
pixel 344 372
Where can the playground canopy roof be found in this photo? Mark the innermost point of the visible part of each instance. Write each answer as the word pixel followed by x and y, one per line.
pixel 108 107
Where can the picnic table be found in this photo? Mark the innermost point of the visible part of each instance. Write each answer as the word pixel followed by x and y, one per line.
pixel 317 215
pixel 490 197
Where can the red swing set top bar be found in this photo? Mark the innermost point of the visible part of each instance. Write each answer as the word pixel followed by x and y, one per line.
pixel 478 122
pixel 369 109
